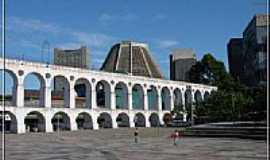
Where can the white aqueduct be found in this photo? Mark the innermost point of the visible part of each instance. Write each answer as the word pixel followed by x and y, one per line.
pixel 134 111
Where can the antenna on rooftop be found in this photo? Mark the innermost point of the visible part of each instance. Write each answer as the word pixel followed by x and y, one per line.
pixel 45 50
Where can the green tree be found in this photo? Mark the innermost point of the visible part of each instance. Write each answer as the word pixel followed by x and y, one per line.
pixel 230 102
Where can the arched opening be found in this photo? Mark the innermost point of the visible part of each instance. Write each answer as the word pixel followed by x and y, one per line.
pixel 122 120
pixel 84 121
pixel 61 121
pixel 166 99
pixel 34 90
pixel 10 87
pixel 137 97
pixel 152 96
pixel 121 96
pixel 103 91
pixel 83 93
pixel 198 97
pixel 139 120
pixel 104 120
pixel 188 103
pixel 60 93
pixel 167 119
pixel 206 95
pixel 34 122
pixel 177 98
pixel 10 122
pixel 154 120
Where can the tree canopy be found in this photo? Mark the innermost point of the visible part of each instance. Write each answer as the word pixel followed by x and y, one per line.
pixel 232 101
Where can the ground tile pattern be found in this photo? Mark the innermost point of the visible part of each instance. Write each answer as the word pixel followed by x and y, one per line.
pixel 118 144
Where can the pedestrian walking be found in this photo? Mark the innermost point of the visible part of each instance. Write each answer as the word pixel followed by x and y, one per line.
pixel 175 137
pixel 136 135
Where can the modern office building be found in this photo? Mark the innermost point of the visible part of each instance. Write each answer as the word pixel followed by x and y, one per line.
pixel 235 57
pixel 73 57
pixel 131 58
pixel 181 61
pixel 253 63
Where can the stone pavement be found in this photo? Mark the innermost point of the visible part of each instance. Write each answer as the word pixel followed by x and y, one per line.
pixel 117 144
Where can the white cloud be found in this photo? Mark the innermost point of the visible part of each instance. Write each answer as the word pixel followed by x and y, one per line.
pixel 167 43
pixel 75 38
pixel 27 43
pixel 106 18
pixel 93 39
pixel 22 24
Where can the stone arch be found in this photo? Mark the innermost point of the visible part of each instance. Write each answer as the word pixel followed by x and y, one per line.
pixel 10 87
pixel 83 91
pixel 206 95
pixel 10 122
pixel 137 97
pixel 166 99
pixel 198 97
pixel 84 121
pixel 122 120
pixel 103 97
pixel 121 95
pixel 104 120
pixel 35 122
pixel 60 94
pixel 152 96
pixel 167 119
pixel 61 121
pixel 154 120
pixel 139 120
pixel 34 93
pixel 177 97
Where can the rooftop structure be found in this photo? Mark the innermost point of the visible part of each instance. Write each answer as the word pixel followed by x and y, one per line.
pixel 132 58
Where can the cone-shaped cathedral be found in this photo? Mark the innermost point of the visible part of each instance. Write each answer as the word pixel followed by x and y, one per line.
pixel 132 58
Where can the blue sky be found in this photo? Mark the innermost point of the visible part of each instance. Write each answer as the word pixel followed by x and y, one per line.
pixel 205 26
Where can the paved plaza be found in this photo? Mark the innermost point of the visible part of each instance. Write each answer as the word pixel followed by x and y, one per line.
pixel 117 144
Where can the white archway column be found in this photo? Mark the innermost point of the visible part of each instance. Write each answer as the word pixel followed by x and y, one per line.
pixel 47 94
pixel 131 121
pixel 73 123
pixel 113 100
pixel 20 123
pixel 130 98
pixel 202 94
pixel 147 122
pixel 159 100
pixel 184 100
pixel 172 100
pixel 93 98
pixel 160 116
pixel 20 94
pixel 94 119
pixel 48 122
pixel 71 95
pixel 192 106
pixel 145 99
pixel 114 123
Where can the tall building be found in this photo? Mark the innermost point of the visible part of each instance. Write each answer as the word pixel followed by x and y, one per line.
pixel 74 58
pixel 235 57
pixel 253 63
pixel 181 61
pixel 131 58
